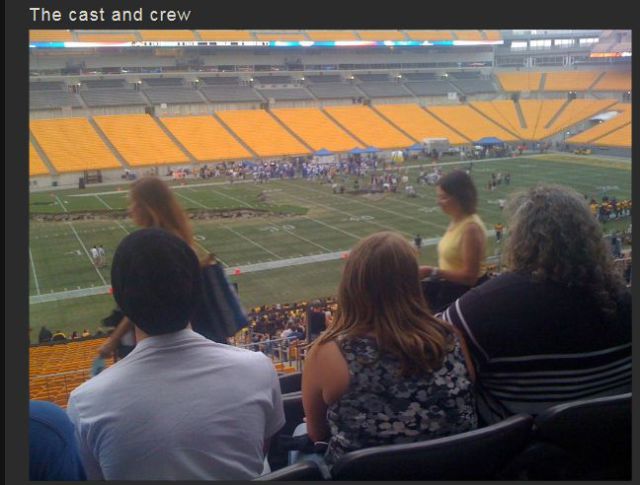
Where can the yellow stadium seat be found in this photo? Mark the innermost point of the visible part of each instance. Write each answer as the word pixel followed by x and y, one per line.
pixel 614 81
pixel 380 35
pixel 140 140
pixel 262 133
pixel 570 81
pixel 225 35
pixel 205 138
pixel 166 35
pixel 316 129
pixel 520 81
pixel 430 34
pixel 367 126
pixel 72 145
pixel 331 35
pixel 36 165
pixel 50 36
pixel 470 123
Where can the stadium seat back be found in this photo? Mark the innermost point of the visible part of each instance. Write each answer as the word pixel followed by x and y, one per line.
pixel 291 382
pixel 581 440
pixel 477 454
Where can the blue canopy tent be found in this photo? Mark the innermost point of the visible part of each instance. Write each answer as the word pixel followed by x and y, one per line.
pixel 323 152
pixel 371 150
pixel 488 141
pixel 357 151
pixel 415 148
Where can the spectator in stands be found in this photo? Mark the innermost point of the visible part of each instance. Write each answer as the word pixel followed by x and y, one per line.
pixel 557 326
pixel 53 450
pixel 386 371
pixel 44 335
pixel 86 333
pixel 462 249
pixel 179 407
pixel 152 204
pixel 58 336
pixel 316 320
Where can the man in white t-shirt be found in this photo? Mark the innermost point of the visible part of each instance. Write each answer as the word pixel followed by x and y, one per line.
pixel 179 406
pixel 94 255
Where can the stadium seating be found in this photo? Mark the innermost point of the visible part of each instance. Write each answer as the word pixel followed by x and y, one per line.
pixel 205 138
pixel 480 454
pixel 520 81
pixel 418 123
pixel 570 81
pixel 329 78
pixel 470 123
pixel 72 145
pixel 576 111
pixel 383 89
pixel 367 126
pixel 167 35
pixel 380 35
pixel 36 165
pixel 46 86
pixel 284 36
pixel 229 93
pixel 614 81
pixel 55 370
pixel 468 34
pixel 52 100
pixel 493 35
pixel 582 440
pixel 107 36
pixel 602 129
pixel 50 36
pixel 112 97
pixel 330 35
pixel 503 112
pixel 262 133
pixel 286 94
pixel 333 90
pixel 269 80
pixel 430 34
pixel 173 95
pixel 473 86
pixel 140 140
pixel 104 84
pixel 225 35
pixel 537 113
pixel 316 129
pixel 618 138
pixel 431 88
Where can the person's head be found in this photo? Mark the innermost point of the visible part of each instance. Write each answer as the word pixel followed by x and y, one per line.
pixel 152 204
pixel 380 294
pixel 156 278
pixel 457 193
pixel 554 236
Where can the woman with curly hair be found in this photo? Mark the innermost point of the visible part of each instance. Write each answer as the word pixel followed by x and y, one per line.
pixel 385 370
pixel 557 326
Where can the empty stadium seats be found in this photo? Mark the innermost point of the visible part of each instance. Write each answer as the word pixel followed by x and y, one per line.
pixel 262 133
pixel 418 123
pixel 570 81
pixel 503 112
pixel 520 81
pixel 470 123
pixel 205 138
pixel 614 81
pixel 315 128
pixel 618 138
pixel 72 145
pixel 600 130
pixel 574 112
pixel 36 165
pixel 140 140
pixel 367 126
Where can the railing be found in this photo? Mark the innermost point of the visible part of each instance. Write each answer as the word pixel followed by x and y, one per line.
pixel 287 355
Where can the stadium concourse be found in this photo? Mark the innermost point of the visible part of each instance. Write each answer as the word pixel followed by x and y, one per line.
pixel 286 147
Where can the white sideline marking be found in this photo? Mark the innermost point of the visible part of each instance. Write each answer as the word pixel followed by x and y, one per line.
pixel 61 203
pixel 35 275
pixel 87 253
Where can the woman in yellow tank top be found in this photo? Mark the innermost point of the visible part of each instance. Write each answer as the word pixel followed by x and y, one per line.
pixel 462 249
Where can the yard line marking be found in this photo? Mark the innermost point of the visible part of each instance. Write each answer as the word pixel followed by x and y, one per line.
pixel 122 227
pixel 192 200
pixel 305 239
pixel 232 198
pixel 35 275
pixel 350 234
pixel 250 240
pixel 101 200
pixel 61 203
pixel 87 253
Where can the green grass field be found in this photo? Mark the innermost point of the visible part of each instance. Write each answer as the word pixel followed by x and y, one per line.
pixel 298 219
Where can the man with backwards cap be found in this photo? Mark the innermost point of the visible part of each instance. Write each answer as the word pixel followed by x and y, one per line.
pixel 179 406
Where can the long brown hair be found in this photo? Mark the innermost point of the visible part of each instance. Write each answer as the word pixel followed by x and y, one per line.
pixel 159 207
pixel 380 294
pixel 553 236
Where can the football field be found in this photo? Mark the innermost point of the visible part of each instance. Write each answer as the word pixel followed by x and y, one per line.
pixel 281 241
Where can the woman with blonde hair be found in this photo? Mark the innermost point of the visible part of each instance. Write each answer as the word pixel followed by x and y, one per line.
pixel 152 204
pixel 386 370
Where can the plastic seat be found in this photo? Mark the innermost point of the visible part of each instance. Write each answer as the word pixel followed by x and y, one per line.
pixel 291 382
pixel 474 455
pixel 581 440
pixel 303 470
pixel 294 415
